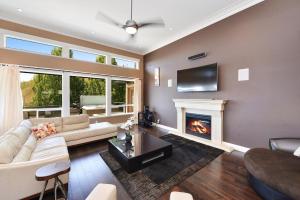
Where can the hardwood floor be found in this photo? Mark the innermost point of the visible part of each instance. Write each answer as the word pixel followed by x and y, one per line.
pixel 223 178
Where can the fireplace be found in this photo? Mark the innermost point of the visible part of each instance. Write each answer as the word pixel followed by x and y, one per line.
pixel 210 110
pixel 198 125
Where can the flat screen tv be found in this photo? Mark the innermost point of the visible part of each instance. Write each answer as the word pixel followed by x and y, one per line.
pixel 198 79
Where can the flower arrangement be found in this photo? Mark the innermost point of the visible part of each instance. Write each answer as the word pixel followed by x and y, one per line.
pixel 128 124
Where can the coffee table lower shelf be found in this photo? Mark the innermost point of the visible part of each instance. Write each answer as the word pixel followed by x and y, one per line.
pixel 139 162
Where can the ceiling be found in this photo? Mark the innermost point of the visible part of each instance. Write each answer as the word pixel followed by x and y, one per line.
pixel 77 18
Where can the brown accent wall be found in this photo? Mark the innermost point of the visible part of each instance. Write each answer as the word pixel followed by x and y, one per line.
pixel 264 38
pixel 59 63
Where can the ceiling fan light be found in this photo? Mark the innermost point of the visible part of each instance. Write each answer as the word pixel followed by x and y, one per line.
pixel 131 30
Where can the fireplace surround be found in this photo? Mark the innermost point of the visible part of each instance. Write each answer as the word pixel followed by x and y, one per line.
pixel 211 111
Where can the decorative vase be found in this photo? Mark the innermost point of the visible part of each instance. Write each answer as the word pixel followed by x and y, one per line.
pixel 128 137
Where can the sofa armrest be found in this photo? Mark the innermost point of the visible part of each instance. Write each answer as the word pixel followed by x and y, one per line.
pixel 18 179
pixel 284 144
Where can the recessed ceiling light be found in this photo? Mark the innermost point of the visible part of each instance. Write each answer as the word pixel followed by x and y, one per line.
pixel 93 32
pixel 170 29
pixel 19 10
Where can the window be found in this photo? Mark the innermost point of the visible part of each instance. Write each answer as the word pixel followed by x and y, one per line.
pixel 42 94
pixel 124 63
pixel 85 56
pixel 46 94
pixel 122 96
pixel 87 96
pixel 36 47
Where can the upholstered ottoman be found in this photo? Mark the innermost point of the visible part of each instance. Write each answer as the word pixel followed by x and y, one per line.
pixel 180 196
pixel 103 192
pixel 273 175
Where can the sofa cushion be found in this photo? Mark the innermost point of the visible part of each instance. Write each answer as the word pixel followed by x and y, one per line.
pixel 3 136
pixel 297 152
pixel 31 142
pixel 23 155
pixel 26 123
pixel 22 133
pixel 50 143
pixel 103 192
pixel 75 122
pixel 93 130
pixel 279 170
pixel 54 152
pixel 56 120
pixel 10 145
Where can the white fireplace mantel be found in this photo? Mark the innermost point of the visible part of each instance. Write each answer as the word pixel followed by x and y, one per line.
pixel 211 107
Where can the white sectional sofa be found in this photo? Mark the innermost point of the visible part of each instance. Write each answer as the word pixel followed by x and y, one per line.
pixel 21 154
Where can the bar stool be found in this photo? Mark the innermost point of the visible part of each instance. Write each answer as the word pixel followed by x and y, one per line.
pixel 50 171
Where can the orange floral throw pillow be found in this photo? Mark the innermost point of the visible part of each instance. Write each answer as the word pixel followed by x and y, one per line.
pixel 44 130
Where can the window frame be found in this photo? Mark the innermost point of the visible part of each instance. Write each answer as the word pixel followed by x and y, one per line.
pixel 96 76
pixel 122 105
pixel 84 50
pixel 65 108
pixel 65 48
pixel 30 40
pixel 43 71
pixel 136 61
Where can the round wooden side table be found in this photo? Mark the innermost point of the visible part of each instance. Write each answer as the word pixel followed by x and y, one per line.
pixel 50 171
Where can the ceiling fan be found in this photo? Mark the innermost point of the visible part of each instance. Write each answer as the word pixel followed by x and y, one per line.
pixel 131 26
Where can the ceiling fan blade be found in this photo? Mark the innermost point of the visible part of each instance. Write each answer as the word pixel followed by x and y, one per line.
pixel 104 18
pixel 152 23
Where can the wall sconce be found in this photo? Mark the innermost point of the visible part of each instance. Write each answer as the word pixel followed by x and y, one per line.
pixel 156 76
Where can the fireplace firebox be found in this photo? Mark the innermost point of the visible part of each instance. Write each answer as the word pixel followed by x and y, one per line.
pixel 198 125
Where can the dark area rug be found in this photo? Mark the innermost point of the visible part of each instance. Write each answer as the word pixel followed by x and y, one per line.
pixel 153 181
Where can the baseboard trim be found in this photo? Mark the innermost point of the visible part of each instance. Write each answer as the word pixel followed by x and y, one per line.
pixel 164 127
pixel 237 147
pixel 234 146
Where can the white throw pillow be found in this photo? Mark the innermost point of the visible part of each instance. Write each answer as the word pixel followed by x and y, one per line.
pixel 297 152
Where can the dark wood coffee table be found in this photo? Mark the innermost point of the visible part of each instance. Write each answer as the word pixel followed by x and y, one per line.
pixel 144 151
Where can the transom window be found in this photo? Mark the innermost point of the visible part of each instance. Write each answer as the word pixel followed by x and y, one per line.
pixel 31 46
pixel 55 48
pixel 86 56
pixel 124 63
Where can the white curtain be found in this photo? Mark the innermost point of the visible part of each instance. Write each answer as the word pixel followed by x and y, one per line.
pixel 137 98
pixel 11 102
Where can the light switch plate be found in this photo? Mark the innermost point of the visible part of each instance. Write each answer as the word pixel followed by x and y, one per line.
pixel 170 83
pixel 243 74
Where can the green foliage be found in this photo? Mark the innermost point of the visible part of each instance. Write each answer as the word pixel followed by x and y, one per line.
pixel 70 53
pixel 85 86
pixel 76 89
pixel 44 90
pixel 94 86
pixel 118 91
pixel 100 59
pixel 47 90
pixel 113 61
pixel 57 51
